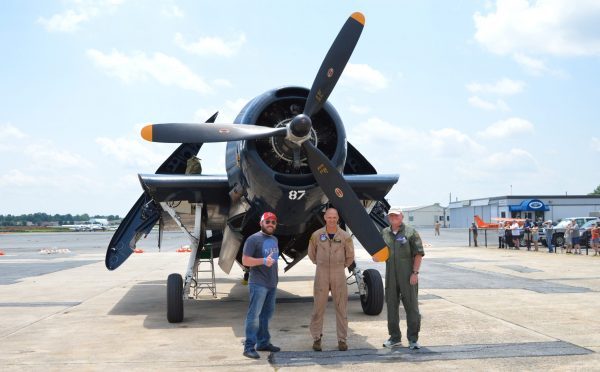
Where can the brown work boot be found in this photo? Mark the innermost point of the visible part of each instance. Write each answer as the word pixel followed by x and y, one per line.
pixel 342 345
pixel 317 345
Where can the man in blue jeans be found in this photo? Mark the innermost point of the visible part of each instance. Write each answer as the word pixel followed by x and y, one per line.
pixel 260 255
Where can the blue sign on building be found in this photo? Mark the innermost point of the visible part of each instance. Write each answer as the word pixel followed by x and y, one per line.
pixel 529 205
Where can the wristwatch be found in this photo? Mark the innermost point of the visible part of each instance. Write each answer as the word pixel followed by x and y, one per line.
pixel 416 272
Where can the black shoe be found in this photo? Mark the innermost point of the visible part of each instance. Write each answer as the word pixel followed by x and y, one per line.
pixel 269 347
pixel 251 354
pixel 317 345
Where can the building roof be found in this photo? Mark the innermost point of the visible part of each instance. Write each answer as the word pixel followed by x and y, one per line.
pixel 412 209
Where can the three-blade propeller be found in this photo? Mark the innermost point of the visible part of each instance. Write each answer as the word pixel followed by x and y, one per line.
pixel 339 193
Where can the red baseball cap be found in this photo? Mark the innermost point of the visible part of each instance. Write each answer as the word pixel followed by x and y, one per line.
pixel 268 216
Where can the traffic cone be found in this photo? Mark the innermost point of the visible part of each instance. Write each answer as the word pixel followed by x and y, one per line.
pixel 184 249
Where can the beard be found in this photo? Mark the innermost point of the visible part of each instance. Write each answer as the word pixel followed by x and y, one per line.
pixel 268 232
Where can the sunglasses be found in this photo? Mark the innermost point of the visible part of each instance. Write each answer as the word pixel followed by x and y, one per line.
pixel 269 222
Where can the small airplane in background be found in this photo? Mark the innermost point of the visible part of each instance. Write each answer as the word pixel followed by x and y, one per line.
pixel 98 224
pixel 481 224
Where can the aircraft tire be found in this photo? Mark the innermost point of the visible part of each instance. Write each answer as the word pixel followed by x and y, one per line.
pixel 372 302
pixel 175 298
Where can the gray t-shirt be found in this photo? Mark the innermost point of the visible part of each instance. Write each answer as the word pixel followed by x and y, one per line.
pixel 261 245
pixel 575 231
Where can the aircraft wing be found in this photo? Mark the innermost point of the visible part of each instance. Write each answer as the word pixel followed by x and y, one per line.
pixel 215 189
pixel 371 186
pixel 193 188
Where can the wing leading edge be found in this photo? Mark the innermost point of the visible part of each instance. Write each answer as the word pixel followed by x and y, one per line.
pixel 215 189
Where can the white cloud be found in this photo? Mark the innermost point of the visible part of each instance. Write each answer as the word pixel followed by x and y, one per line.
pixel 534 66
pixel 222 83
pixel 515 160
pixel 84 10
pixel 16 178
pixel 487 105
pixel 501 87
pixel 139 67
pixel 211 45
pixel 134 151
pixel 444 143
pixel 172 11
pixel 558 27
pixel 45 155
pixel 595 143
pixel 378 132
pixel 364 76
pixel 450 142
pixel 361 110
pixel 68 21
pixel 8 132
pixel 507 128
pixel 227 113
pixel 41 154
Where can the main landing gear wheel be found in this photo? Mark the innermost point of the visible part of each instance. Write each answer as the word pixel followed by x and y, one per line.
pixel 372 300
pixel 175 298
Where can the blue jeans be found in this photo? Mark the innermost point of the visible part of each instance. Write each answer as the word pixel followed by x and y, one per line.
pixel 260 311
pixel 549 243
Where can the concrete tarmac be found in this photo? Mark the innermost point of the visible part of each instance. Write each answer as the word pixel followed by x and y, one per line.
pixel 482 308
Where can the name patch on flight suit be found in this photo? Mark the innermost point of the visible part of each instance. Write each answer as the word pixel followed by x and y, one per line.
pixel 336 240
pixel 401 239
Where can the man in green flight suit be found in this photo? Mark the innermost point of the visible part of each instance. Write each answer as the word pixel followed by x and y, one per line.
pixel 402 278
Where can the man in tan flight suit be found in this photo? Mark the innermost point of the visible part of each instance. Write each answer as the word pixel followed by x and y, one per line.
pixel 332 250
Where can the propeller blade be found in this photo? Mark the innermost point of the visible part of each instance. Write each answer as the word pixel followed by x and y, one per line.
pixel 342 196
pixel 174 164
pixel 186 133
pixel 334 63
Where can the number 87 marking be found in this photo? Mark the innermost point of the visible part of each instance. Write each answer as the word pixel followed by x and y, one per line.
pixel 296 194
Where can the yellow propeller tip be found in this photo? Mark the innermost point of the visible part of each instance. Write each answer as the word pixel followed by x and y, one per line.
pixel 359 17
pixel 147 132
pixel 382 255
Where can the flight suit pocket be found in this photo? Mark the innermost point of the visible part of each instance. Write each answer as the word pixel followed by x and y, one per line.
pixel 401 242
pixel 339 253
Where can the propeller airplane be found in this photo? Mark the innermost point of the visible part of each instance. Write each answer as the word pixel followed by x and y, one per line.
pixel 286 153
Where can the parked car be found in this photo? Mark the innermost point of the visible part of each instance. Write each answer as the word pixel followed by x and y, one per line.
pixel 585 232
pixel 558 235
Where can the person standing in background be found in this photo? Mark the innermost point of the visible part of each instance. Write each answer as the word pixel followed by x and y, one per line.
pixel 549 232
pixel 474 232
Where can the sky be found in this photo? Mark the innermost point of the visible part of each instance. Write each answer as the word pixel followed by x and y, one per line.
pixel 462 99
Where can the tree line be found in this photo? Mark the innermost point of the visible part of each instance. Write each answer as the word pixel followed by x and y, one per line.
pixel 39 219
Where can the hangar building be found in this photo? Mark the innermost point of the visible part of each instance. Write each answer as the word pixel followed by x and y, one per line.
pixel 546 207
